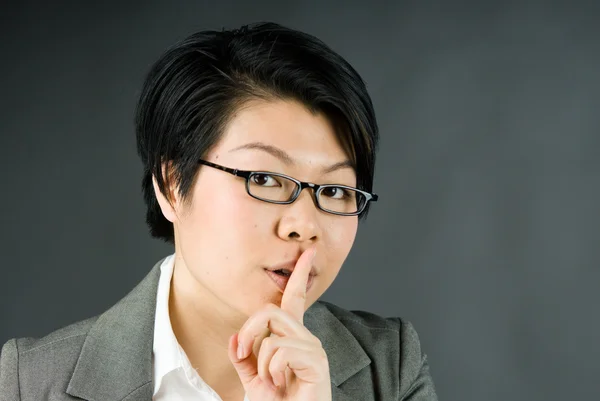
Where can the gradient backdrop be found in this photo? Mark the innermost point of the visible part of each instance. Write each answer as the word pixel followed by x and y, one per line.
pixel 487 233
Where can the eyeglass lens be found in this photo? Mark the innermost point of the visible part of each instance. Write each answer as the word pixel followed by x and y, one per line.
pixel 332 198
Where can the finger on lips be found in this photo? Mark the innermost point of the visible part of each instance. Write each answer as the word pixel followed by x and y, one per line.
pixel 294 296
pixel 288 336
pixel 284 321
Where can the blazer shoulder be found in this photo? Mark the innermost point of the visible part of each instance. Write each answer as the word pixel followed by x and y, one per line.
pixel 71 334
pixel 367 319
pixel 31 365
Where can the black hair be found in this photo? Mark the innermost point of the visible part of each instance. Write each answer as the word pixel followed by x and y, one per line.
pixel 193 89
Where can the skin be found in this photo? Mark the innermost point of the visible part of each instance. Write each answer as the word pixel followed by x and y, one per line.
pixel 224 239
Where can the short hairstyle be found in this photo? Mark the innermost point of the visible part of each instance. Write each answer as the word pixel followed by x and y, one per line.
pixel 193 89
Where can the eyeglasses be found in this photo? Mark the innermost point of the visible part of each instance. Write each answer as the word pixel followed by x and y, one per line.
pixel 281 189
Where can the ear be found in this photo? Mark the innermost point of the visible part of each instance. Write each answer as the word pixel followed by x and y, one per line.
pixel 167 206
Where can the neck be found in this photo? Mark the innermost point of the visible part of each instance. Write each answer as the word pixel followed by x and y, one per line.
pixel 203 325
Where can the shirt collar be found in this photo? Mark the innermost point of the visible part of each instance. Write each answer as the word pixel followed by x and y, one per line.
pixel 165 351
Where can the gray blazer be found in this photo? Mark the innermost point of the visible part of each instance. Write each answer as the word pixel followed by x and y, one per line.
pixel 109 357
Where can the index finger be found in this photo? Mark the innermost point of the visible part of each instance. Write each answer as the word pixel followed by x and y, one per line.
pixel 294 296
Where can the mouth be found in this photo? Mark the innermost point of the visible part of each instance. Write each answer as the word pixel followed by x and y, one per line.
pixel 286 269
pixel 281 277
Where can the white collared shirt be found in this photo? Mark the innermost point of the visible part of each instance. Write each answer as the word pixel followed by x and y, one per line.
pixel 174 377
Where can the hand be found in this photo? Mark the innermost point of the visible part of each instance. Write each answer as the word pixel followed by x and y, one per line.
pixel 291 363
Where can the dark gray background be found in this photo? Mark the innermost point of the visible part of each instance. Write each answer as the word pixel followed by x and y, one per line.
pixel 486 236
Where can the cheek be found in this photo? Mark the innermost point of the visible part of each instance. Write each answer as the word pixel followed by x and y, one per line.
pixel 229 227
pixel 339 239
pixel 343 233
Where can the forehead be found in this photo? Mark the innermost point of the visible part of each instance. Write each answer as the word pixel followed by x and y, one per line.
pixel 307 137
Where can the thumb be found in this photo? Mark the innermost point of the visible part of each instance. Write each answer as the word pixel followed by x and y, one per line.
pixel 247 368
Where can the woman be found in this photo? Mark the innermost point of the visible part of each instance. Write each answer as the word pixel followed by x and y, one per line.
pixel 258 147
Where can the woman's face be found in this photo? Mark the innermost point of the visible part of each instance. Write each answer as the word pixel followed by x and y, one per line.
pixel 225 239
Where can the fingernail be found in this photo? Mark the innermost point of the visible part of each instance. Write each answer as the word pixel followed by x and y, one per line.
pixel 314 255
pixel 240 351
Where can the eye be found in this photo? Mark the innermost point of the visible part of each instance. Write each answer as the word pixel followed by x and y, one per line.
pixel 265 180
pixel 335 192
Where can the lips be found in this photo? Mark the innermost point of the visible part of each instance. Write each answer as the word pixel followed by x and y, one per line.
pixel 289 267
pixel 281 280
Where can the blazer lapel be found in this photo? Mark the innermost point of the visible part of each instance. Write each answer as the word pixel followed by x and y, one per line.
pixel 116 359
pixel 345 354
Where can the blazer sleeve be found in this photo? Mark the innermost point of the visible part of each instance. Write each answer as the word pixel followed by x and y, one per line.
pixel 9 372
pixel 416 383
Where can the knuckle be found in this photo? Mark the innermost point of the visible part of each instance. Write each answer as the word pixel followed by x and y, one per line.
pixel 273 368
pixel 278 362
pixel 323 357
pixel 263 374
pixel 266 344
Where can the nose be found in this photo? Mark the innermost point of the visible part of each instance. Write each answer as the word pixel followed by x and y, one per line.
pixel 299 220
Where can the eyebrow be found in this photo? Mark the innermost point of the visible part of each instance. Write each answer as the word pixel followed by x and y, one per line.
pixel 286 158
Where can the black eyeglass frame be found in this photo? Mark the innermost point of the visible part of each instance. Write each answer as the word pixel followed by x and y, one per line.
pixel 300 185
